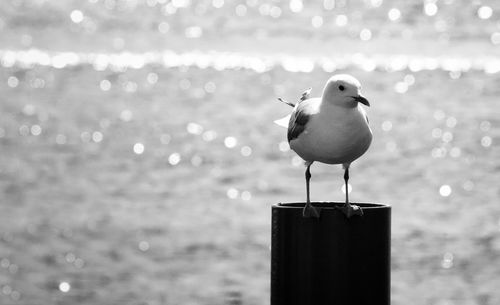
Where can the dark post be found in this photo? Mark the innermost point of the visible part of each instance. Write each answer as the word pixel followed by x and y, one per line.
pixel 331 260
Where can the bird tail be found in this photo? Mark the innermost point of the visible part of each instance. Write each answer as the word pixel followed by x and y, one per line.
pixel 283 122
pixel 305 95
pixel 283 101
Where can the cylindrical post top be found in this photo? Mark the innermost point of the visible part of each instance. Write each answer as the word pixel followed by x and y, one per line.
pixel 329 205
pixel 331 259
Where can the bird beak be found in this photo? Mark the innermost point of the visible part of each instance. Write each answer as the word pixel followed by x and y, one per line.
pixel 361 99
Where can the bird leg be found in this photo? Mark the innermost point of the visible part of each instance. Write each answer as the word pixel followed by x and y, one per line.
pixel 346 179
pixel 309 209
pixel 349 209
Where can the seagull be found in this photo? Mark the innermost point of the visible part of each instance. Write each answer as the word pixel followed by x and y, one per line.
pixel 331 129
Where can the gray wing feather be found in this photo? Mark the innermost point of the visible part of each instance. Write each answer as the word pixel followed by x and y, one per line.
pixel 299 119
pixel 305 95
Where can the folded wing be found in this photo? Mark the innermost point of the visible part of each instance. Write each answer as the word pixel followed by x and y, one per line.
pixel 300 116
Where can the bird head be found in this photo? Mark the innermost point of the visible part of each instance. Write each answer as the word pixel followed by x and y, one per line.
pixel 344 90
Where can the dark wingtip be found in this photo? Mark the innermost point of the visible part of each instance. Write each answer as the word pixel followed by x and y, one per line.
pixel 283 101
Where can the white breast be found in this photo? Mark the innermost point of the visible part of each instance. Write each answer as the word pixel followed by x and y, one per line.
pixel 334 136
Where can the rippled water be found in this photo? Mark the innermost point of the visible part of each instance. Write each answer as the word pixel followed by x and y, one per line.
pixel 146 177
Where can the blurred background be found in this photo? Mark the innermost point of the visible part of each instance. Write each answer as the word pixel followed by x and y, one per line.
pixel 139 161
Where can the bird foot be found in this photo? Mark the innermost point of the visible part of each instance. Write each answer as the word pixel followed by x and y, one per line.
pixel 311 212
pixel 350 210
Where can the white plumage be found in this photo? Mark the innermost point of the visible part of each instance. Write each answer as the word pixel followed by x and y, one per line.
pixel 332 129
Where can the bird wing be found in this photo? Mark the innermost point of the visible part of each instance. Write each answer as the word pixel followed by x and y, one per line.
pixel 284 122
pixel 300 116
pixel 305 95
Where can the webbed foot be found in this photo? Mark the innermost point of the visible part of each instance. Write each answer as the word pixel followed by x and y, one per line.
pixel 350 210
pixel 310 211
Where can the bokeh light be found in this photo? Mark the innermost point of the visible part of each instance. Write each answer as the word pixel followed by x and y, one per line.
pixel 241 10
pixel 394 14
pixel 317 21
pixel 495 38
pixel 174 158
pixel 376 3
pixel 430 8
pixel 246 196
pixel 194 128
pixel 64 286
pixel 230 142
pixel 232 193
pixel 386 125
pixel 445 190
pixel 218 3
pixel 163 27
pixel 447 261
pixel 143 246
pixel 105 85
pixel 76 16
pixel 246 151
pixel 401 87
pixel 138 148
pixel 485 126
pixel 97 136
pixel 365 34
pixel 486 141
pixel 341 20
pixel 13 81
pixel 485 12
pixel 296 6
pixel 36 130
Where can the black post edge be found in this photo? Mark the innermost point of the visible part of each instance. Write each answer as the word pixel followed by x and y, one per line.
pixel 331 260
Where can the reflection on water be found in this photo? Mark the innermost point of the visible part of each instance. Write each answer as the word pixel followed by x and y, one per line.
pixel 236 60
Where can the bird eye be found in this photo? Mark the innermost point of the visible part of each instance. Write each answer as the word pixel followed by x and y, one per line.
pixel 341 88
